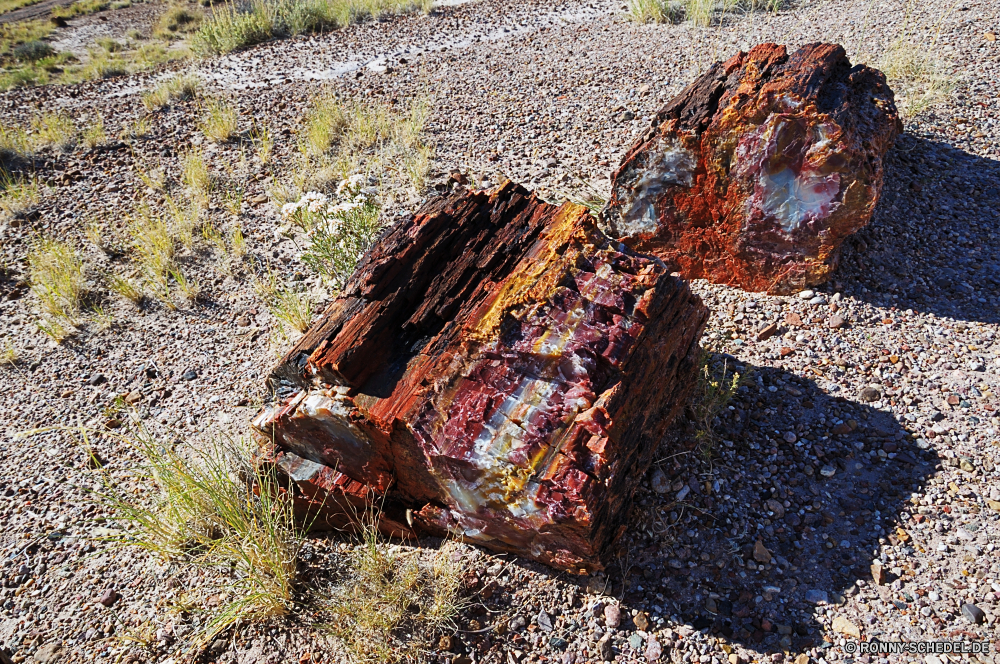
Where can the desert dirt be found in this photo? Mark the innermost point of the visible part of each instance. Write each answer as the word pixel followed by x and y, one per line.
pixel 874 441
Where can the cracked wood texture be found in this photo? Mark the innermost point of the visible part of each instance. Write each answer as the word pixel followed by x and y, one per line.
pixel 755 174
pixel 495 368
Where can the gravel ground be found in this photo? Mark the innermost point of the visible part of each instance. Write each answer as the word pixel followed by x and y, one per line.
pixel 854 486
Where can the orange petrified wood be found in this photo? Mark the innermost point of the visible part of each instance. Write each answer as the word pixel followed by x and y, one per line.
pixel 495 368
pixel 755 174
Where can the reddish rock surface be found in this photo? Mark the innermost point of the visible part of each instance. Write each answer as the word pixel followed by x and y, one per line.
pixel 755 174
pixel 495 368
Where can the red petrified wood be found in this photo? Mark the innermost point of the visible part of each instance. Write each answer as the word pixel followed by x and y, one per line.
pixel 495 368
pixel 755 174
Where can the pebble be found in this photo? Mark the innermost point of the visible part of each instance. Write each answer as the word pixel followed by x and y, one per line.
pixel 973 614
pixel 544 622
pixel 612 616
pixel 814 596
pixel 659 482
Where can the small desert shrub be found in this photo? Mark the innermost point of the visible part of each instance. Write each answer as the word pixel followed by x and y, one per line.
pixel 288 305
pixel 917 75
pixel 172 89
pixel 717 385
pixel 57 279
pixel 214 509
pixel 393 603
pixel 338 245
pixel 55 129
pixel 219 121
pixel 32 51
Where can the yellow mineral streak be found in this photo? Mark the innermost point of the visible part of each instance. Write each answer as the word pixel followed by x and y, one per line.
pixel 536 276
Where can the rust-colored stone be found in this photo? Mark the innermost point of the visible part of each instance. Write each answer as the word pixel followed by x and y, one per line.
pixel 755 174
pixel 495 368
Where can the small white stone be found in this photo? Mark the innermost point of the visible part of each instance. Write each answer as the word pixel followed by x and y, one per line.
pixel 807 294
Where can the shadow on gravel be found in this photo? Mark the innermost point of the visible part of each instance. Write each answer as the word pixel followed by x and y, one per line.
pixel 696 560
pixel 934 244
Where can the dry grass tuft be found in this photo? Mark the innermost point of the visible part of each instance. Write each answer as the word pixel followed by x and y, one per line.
pixel 918 77
pixel 196 176
pixel 291 307
pixel 126 288
pixel 177 20
pixel 57 279
pixel 17 194
pixel 94 135
pixel 154 245
pixel 14 143
pixel 699 12
pixel 393 602
pixel 220 120
pixel 176 88
pixel 55 129
pixel 213 509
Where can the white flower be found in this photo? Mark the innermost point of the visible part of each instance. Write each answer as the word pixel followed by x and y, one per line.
pixel 351 184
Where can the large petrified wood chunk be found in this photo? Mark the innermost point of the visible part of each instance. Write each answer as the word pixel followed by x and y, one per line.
pixel 495 368
pixel 755 174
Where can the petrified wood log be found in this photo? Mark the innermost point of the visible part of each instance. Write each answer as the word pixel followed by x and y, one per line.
pixel 495 368
pixel 755 174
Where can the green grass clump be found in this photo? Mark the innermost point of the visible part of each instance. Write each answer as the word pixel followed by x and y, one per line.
pixel 232 27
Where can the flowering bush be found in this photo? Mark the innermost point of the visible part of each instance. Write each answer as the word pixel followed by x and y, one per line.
pixel 340 230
